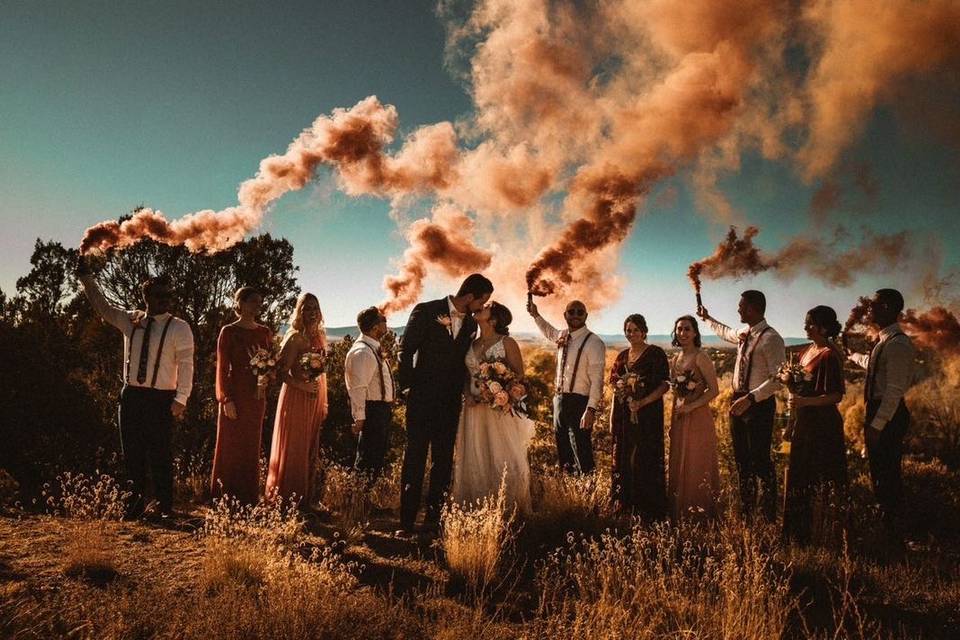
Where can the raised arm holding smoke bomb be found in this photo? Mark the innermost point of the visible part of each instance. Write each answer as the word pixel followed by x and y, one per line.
pixel 760 352
pixel 578 385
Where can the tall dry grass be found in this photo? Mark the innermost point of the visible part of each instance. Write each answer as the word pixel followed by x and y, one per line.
pixel 85 505
pixel 476 540
pixel 666 581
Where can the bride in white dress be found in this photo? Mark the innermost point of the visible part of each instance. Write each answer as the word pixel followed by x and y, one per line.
pixel 492 444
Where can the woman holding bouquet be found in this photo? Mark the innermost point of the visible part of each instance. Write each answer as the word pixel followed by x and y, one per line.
pixel 640 376
pixel 494 433
pixel 817 451
pixel 694 471
pixel 242 401
pixel 302 406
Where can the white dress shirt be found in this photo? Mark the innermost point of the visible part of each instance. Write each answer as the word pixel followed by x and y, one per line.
pixel 363 371
pixel 766 354
pixel 893 371
pixel 456 318
pixel 589 374
pixel 175 370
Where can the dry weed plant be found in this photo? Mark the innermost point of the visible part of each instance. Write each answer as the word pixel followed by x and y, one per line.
pixel 86 505
pixel 719 580
pixel 191 475
pixel 476 539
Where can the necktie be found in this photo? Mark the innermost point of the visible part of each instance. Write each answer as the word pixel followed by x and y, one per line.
pixel 561 375
pixel 872 372
pixel 742 369
pixel 144 352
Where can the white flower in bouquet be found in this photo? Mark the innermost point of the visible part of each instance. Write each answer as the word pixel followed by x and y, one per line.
pixel 494 386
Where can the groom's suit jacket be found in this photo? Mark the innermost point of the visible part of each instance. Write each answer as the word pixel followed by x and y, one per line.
pixel 440 371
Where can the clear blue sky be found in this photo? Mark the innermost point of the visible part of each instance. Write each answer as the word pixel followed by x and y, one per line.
pixel 107 105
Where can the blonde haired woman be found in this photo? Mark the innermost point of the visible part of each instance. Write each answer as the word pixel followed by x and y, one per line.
pixel 301 408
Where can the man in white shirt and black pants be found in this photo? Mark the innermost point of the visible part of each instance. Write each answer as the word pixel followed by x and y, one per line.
pixel 371 390
pixel 157 380
pixel 581 357
pixel 760 352
pixel 890 371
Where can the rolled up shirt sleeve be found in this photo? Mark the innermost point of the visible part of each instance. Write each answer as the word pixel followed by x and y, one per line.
pixel 184 359
pixel 862 360
pixel 724 332
pixel 595 367
pixel 359 368
pixel 774 353
pixel 111 314
pixel 548 331
pixel 898 375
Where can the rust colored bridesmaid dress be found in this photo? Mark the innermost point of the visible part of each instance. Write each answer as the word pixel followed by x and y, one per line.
pixel 296 436
pixel 237 454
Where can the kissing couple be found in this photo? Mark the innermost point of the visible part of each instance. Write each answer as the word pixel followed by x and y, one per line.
pixel 445 343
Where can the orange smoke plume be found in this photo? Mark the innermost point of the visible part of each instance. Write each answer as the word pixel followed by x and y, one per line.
pixel 443 241
pixel 936 329
pixel 737 256
pixel 734 257
pixel 353 141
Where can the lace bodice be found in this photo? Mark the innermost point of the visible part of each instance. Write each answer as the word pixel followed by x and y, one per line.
pixel 496 350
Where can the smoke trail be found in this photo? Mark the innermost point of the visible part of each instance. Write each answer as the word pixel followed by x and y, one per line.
pixel 443 241
pixel 937 329
pixel 830 260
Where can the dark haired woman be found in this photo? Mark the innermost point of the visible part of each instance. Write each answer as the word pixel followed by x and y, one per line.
pixel 636 421
pixel 492 442
pixel 694 470
pixel 241 403
pixel 817 451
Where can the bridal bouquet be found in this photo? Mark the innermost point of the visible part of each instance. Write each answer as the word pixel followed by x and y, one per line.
pixel 314 364
pixel 794 377
pixel 683 383
pixel 263 363
pixel 500 387
pixel 627 388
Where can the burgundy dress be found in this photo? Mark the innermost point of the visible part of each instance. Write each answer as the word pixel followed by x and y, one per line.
pixel 296 436
pixel 817 450
pixel 639 475
pixel 237 456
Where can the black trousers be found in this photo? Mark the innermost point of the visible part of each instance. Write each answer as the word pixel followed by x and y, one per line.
pixel 146 431
pixel 752 433
pixel 574 445
pixel 885 454
pixel 431 428
pixel 372 445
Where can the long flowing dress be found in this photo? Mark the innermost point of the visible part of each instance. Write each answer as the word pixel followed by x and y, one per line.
pixel 694 469
pixel 818 461
pixel 236 457
pixel 296 435
pixel 491 445
pixel 639 474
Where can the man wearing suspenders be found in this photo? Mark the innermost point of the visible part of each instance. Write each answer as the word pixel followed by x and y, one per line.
pixel 890 370
pixel 760 352
pixel 371 390
pixel 157 380
pixel 579 385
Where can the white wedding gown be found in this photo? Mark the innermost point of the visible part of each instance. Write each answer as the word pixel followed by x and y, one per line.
pixel 491 443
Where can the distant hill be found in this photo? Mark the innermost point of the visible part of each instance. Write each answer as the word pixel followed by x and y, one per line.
pixel 611 340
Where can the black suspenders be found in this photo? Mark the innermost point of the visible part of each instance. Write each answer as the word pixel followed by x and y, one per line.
pixel 156 364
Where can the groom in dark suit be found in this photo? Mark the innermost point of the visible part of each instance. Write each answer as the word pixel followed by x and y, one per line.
pixel 431 375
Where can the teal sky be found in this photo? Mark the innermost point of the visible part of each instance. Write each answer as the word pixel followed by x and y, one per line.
pixel 107 105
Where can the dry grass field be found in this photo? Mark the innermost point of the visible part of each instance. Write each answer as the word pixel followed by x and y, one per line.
pixel 71 568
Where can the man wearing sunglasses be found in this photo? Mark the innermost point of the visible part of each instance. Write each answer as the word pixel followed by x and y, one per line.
pixel 157 380
pixel 579 385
